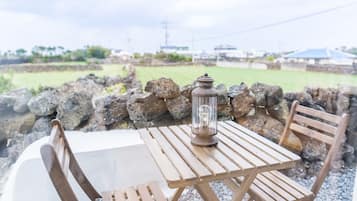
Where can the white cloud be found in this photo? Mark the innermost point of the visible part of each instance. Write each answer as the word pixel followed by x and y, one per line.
pixel 74 24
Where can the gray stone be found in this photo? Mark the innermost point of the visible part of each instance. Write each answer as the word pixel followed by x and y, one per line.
pixel 222 95
pixel 348 154
pixel 326 98
pixel 267 95
pixel 342 104
pixel 90 84
pixel 187 91
pixel 34 136
pixel 270 128
pixel 16 100
pixel 43 124
pixel 115 109
pixel 314 150
pixel 179 107
pixel 242 104
pixel 224 111
pixel 45 103
pixel 260 92
pixel 279 111
pixel 11 124
pixel 298 171
pixel 238 89
pixel 145 107
pixel 6 103
pixel 303 98
pixel 75 110
pixel 163 88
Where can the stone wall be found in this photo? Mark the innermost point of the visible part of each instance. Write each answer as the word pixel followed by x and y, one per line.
pixel 331 68
pixel 93 103
pixel 47 68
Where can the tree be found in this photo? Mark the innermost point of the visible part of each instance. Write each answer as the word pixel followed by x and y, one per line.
pixel 20 52
pixel 78 55
pixel 97 52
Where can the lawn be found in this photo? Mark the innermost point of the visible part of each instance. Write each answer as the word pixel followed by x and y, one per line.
pixel 289 80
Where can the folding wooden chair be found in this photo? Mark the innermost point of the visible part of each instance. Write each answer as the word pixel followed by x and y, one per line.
pixel 321 126
pixel 59 160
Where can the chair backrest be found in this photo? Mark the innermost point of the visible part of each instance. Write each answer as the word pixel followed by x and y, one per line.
pixel 59 160
pixel 321 126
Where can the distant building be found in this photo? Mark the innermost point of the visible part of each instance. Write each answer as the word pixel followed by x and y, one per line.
pixel 224 48
pixel 321 56
pixel 173 49
pixel 229 51
pixel 121 54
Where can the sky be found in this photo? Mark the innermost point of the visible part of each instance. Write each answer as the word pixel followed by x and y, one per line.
pixel 136 25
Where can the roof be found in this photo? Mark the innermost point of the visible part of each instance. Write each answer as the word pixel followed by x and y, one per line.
pixel 225 47
pixel 322 53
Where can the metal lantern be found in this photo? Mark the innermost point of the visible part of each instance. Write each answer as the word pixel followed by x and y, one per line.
pixel 204 112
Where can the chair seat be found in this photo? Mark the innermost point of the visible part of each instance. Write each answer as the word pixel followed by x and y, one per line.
pixel 274 185
pixel 142 192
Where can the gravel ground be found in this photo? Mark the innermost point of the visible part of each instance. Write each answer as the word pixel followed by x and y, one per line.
pixel 338 186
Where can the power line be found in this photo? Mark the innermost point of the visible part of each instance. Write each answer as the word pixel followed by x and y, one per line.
pixel 279 22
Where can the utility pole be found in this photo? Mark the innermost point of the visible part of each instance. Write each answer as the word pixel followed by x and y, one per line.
pixel 192 47
pixel 165 26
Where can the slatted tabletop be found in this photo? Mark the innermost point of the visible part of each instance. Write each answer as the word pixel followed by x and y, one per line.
pixel 238 153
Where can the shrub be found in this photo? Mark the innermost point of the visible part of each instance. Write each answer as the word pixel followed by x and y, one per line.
pixel 270 58
pixel 173 57
pixel 97 52
pixel 5 84
pixel 115 89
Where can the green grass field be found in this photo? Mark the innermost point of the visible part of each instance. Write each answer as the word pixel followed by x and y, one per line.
pixel 289 80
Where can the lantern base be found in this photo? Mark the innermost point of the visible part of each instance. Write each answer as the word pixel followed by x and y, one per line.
pixel 204 141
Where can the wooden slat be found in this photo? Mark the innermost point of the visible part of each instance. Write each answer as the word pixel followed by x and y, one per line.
pixel 66 161
pixel 322 115
pixel 315 124
pixel 267 142
pixel 131 194
pixel 266 190
pixel 178 162
pixel 249 147
pixel 291 182
pixel 275 154
pixel 214 153
pixel 144 193
pixel 245 155
pixel 194 156
pixel 199 152
pixel 119 195
pixel 279 182
pixel 166 167
pixel 156 192
pixel 59 147
pixel 54 135
pixel 311 133
pixel 263 195
pixel 234 184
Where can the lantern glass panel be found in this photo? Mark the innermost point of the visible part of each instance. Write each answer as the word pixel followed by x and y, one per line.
pixel 204 115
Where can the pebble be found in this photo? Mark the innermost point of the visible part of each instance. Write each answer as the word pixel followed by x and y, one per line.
pixel 338 186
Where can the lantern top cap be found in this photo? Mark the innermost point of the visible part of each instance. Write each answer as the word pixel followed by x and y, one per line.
pixel 205 78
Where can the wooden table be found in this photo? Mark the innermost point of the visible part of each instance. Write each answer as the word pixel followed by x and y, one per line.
pixel 240 152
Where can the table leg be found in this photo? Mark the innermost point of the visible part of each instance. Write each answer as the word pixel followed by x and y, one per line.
pixel 177 194
pixel 244 186
pixel 206 192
